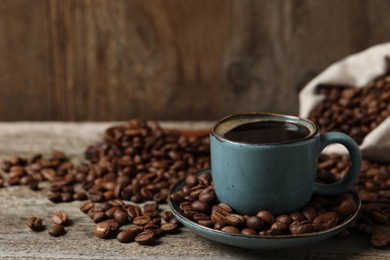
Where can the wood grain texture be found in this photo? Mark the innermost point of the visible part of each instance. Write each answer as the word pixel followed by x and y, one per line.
pixel 25 67
pixel 154 59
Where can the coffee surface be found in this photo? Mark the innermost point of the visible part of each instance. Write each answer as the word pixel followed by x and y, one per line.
pixel 267 132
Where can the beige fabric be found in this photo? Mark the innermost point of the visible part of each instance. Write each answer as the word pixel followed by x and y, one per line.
pixel 355 70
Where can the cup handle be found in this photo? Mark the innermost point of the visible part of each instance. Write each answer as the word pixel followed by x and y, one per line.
pixel 354 168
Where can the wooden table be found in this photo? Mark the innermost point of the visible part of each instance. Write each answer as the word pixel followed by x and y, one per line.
pixel 17 203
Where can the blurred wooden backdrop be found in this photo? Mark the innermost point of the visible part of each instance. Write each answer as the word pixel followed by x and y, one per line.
pixel 172 59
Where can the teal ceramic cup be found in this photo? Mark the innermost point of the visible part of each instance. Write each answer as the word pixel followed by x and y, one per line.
pixel 278 176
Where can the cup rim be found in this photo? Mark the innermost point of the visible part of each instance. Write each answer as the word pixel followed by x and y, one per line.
pixel 290 118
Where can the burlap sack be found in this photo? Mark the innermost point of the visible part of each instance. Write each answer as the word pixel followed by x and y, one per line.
pixel 355 70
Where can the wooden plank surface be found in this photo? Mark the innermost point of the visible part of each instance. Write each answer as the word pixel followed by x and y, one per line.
pixel 172 59
pixel 18 203
pixel 25 67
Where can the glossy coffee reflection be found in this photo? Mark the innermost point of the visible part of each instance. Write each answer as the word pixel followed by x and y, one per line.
pixel 269 132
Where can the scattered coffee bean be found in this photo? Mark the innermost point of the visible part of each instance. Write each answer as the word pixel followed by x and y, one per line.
pixel 60 218
pixel 145 238
pixel 56 230
pixel 380 240
pixel 126 236
pixel 35 224
pixel 169 228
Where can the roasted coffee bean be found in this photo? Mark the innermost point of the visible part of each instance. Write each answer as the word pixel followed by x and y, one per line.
pixel 169 228
pixel 224 208
pixel 217 217
pixel 186 205
pixel 266 216
pixel 201 216
pixel 126 236
pixel 380 240
pixel 303 227
pixel 35 224
pixel 134 211
pixel 145 238
pixel 106 229
pixel 56 230
pixel 142 220
pixel 66 197
pixel 286 219
pixel 220 225
pixel 110 212
pixel 156 222
pixel 152 214
pixel 378 216
pixel 121 217
pixel 278 225
pixel 235 220
pixel 296 215
pixel 96 196
pixel 231 229
pixel 309 213
pixel 207 223
pixel 255 223
pixel 177 198
pixel 151 207
pixel 99 217
pixel 208 196
pixel 6 166
pixel 248 232
pixel 167 215
pixel 191 181
pixel 329 219
pixel 86 206
pixel 200 206
pixel 80 196
pixel 103 230
pixel 347 207
pixel 54 196
pixel 60 218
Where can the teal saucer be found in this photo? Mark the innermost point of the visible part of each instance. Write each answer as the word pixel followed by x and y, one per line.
pixel 258 242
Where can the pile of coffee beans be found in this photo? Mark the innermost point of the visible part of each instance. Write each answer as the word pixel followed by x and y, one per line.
pixel 198 202
pixel 355 111
pixel 137 161
pixel 143 226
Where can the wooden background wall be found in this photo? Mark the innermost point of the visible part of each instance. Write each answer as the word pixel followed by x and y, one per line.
pixel 172 59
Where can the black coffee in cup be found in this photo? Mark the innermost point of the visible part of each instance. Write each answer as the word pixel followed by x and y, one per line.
pixel 267 132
